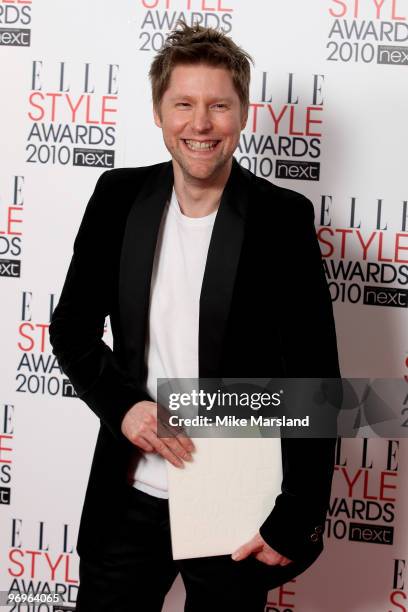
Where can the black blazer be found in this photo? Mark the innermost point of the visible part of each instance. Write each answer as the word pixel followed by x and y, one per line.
pixel 265 311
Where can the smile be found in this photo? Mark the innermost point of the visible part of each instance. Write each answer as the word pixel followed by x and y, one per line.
pixel 197 145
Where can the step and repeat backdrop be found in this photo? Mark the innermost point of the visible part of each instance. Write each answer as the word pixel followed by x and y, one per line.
pixel 328 118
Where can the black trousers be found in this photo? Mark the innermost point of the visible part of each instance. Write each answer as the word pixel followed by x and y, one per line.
pixel 136 570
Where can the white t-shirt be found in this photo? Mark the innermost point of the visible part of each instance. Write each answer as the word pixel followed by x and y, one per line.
pixel 172 340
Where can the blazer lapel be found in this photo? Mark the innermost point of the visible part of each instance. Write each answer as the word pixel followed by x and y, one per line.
pixel 139 243
pixel 136 265
pixel 221 270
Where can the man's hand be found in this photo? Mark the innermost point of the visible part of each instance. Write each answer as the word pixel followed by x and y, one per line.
pixel 261 551
pixel 139 425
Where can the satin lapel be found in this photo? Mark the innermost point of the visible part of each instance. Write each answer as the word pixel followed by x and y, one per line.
pixel 221 269
pixel 136 265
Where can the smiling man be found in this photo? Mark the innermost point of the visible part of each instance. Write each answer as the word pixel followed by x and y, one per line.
pixel 201 116
pixel 194 244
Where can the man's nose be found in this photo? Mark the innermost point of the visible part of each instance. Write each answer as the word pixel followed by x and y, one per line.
pixel 201 120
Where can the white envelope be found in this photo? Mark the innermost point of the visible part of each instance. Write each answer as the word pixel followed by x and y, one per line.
pixel 219 500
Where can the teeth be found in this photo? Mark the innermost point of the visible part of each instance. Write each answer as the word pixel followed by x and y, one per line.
pixel 197 146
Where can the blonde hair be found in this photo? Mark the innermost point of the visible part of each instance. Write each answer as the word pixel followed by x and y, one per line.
pixel 196 44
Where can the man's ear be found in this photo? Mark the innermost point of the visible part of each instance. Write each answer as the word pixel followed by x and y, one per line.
pixel 157 118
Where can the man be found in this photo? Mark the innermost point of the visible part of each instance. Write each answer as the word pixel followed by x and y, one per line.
pixel 211 272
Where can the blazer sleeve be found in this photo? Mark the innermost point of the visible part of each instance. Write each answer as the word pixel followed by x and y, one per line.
pixel 77 324
pixel 296 524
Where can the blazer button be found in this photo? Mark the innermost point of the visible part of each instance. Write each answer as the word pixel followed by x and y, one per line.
pixel 318 529
pixel 314 537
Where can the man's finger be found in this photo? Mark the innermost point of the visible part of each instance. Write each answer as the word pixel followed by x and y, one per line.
pixel 186 442
pixel 271 557
pixel 143 444
pixel 268 557
pixel 286 562
pixel 243 552
pixel 163 450
pixel 176 447
pixel 178 433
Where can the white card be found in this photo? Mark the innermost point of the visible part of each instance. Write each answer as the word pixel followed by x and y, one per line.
pixel 219 500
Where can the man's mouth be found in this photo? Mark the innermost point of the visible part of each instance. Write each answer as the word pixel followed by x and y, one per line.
pixel 201 145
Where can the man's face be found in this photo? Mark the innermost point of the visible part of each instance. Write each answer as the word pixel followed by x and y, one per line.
pixel 201 119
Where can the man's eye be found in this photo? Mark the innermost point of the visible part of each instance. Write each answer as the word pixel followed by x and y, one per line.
pixel 183 104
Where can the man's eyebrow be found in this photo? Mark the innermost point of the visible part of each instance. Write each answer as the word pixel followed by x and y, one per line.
pixel 178 96
pixel 214 99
